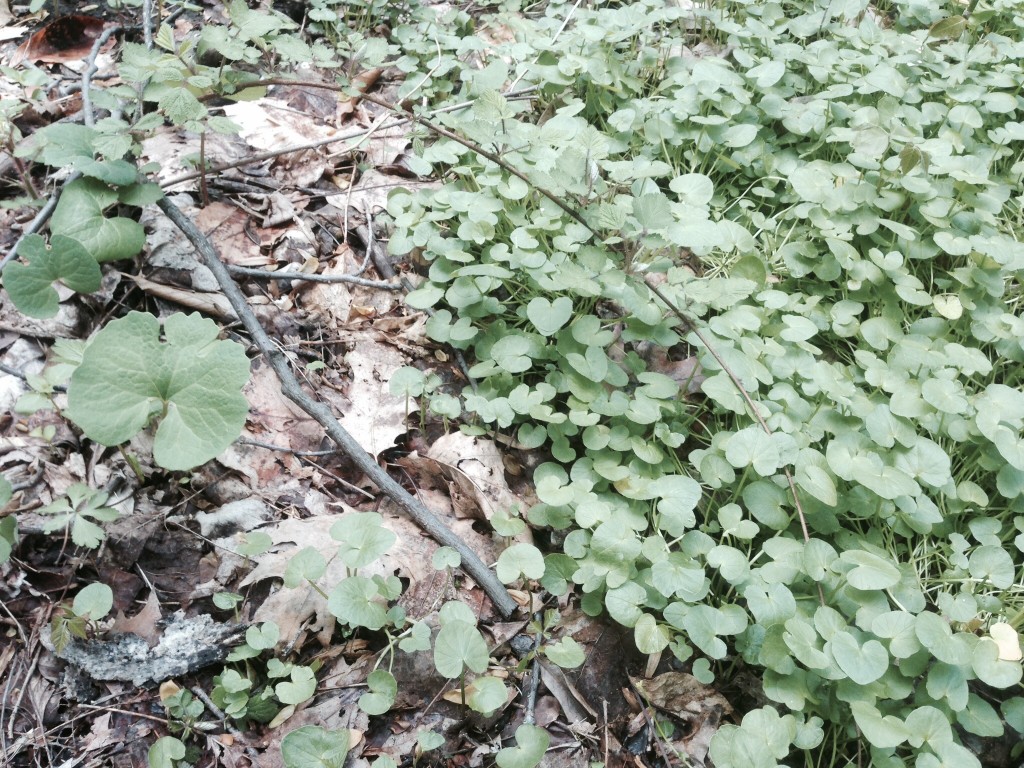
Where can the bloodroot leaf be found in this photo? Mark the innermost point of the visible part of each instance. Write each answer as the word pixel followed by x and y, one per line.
pixel 458 647
pixel 66 260
pixel 191 382
pixel 532 744
pixel 314 747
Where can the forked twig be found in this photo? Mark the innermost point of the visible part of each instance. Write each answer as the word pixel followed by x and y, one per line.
pixel 291 388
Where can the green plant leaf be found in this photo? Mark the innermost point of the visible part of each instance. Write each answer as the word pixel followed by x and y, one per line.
pixel 166 752
pixel 520 560
pixel 871 572
pixel 383 689
pixel 531 744
pixel 445 557
pixel 300 688
pixel 308 564
pixel 65 260
pixel 418 638
pixel 362 538
pixel 862 662
pixel 650 636
pixel 314 747
pixel 566 653
pixel 191 383
pixel 263 636
pixel 884 732
pixel 93 601
pixel 949 28
pixel 355 601
pixel 79 216
pixel 458 647
pixel 549 317
pixel 6 491
pixel 486 694
pixel 8 534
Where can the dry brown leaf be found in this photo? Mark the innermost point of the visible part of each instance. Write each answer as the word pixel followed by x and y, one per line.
pixel 142 623
pixel 65 39
pixel 329 304
pixel 573 704
pixel 684 697
pixel 475 472
pixel 303 607
pixel 215 304
pixel 373 415
pixel 170 150
pixel 270 124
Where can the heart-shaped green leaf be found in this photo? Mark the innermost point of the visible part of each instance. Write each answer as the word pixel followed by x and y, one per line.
pixel 383 689
pixel 314 747
pixel 299 688
pixel 66 260
pixel 457 647
pixel 79 215
pixel 191 382
pixel 531 744
pixel 549 317
pixel 862 663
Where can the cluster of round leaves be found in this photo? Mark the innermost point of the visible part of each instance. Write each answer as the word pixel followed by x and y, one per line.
pixel 853 208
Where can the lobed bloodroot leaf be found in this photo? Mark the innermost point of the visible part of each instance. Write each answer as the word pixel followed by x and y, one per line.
pixel 191 382
pixel 65 260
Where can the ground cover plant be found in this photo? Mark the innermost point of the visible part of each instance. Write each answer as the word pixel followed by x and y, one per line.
pixel 745 276
pixel 846 180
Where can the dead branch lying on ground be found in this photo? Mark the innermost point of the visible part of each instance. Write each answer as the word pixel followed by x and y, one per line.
pixel 291 388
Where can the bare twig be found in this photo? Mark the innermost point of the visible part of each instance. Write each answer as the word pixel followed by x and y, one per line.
pixel 220 715
pixel 362 134
pixel 268 275
pixel 754 410
pixel 282 449
pixel 531 696
pixel 90 70
pixel 291 388
pixel 441 131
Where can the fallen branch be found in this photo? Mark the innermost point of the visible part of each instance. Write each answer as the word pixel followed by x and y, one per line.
pixel 291 388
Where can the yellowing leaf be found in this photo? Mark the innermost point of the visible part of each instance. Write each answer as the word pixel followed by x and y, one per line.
pixel 1008 640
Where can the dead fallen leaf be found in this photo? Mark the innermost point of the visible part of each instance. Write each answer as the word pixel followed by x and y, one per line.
pixel 476 468
pixel 66 38
pixel 142 623
pixel 699 707
pixel 373 415
pixel 270 124
pixel 303 607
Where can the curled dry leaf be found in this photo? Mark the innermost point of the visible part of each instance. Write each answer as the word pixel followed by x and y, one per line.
pixel 699 707
pixel 67 38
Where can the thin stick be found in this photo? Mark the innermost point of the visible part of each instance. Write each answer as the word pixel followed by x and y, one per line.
pixel 90 70
pixel 440 131
pixel 688 322
pixel 291 388
pixel 265 274
pixel 362 134
pixel 250 751
pixel 529 716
